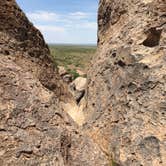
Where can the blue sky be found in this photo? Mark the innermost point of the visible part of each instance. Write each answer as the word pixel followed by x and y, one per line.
pixel 64 21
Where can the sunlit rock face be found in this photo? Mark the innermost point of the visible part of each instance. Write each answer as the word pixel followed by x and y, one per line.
pixel 34 129
pixel 126 95
pixel 20 40
pixel 125 101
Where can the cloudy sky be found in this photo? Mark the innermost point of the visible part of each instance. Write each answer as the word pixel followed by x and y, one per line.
pixel 64 21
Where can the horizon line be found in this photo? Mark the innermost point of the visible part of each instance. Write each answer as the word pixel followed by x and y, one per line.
pixel 72 43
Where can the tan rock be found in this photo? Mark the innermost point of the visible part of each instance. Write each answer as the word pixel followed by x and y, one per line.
pixel 62 71
pixel 80 83
pixel 81 73
pixel 34 128
pixel 126 97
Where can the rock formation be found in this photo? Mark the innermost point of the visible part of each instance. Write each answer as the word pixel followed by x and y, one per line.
pixel 20 40
pixel 126 95
pixel 125 113
pixel 34 129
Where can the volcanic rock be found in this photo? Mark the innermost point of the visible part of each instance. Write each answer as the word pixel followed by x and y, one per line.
pixel 34 128
pixel 126 95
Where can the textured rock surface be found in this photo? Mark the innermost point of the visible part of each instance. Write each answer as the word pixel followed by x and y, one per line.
pixel 80 83
pixel 126 96
pixel 22 41
pixel 34 129
pixel 78 87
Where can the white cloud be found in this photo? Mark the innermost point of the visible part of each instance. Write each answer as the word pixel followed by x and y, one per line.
pixel 43 16
pixel 88 25
pixel 78 15
pixel 76 27
pixel 51 28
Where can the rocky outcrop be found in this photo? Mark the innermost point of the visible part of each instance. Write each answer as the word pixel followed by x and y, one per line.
pixel 25 44
pixel 126 95
pixel 34 128
pixel 124 116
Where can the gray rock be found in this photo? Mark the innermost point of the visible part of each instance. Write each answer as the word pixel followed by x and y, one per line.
pixel 34 129
pixel 126 84
pixel 67 78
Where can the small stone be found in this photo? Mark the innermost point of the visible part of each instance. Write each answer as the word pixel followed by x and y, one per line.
pixel 80 83
pixel 62 71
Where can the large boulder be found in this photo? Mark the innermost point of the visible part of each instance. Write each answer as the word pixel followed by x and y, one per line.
pixel 78 87
pixel 126 95
pixel 80 83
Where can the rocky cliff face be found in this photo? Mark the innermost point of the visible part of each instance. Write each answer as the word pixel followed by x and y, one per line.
pixel 20 40
pixel 34 129
pixel 126 96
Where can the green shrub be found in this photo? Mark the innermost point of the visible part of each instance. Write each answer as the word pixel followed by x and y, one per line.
pixel 73 73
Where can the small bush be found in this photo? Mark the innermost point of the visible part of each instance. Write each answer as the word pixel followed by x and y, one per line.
pixel 73 73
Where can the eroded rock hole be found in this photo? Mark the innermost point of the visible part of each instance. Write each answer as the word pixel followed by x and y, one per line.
pixel 121 63
pixel 153 37
pixel 114 54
